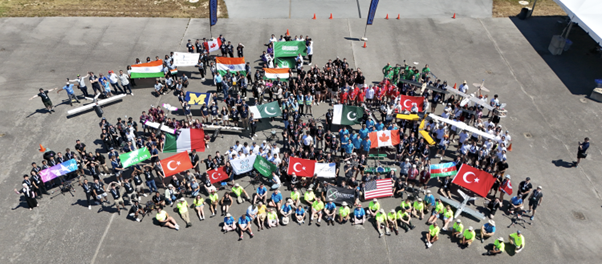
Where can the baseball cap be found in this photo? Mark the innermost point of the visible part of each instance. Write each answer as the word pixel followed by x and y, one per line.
pixel 470 228
pixel 458 221
pixel 518 231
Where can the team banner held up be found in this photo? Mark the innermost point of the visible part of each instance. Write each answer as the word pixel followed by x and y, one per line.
pixel 339 195
pixel 325 170
pixel 153 69
pixel 385 138
pixel 243 165
pixel 58 170
pixel 225 64
pixel 217 175
pixel 378 189
pixel 272 74
pixel 443 169
pixel 407 101
pixel 176 164
pixel 301 167
pixel 285 62
pixel 265 110
pixel 475 180
pixel 185 59
pixel 264 167
pixel 134 157
pixel 347 115
pixel 289 48
pixel 198 98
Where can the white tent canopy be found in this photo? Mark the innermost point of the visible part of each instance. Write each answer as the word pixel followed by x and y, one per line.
pixel 586 13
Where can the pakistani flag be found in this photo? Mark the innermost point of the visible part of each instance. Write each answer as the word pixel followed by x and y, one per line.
pixel 285 62
pixel 347 115
pixel 134 157
pixel 264 167
pixel 266 110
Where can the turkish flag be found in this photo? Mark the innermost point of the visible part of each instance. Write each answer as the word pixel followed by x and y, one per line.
pixel 473 179
pixel 385 138
pixel 406 102
pixel 176 164
pixel 506 187
pixel 301 167
pixel 217 175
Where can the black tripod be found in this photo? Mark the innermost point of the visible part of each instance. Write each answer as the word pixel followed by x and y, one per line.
pixel 518 219
pixel 66 186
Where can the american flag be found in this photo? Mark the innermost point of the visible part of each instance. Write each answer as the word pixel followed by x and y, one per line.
pixel 378 189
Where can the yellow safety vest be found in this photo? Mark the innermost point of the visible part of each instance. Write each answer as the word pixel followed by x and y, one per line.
pixel 295 195
pixel 344 211
pixel 309 196
pixel 182 207
pixel 434 231
pixel 238 191
pixel 161 215
pixel 374 206
pixel 214 197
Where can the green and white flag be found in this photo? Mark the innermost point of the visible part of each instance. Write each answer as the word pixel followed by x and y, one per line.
pixel 264 167
pixel 285 62
pixel 134 157
pixel 347 115
pixel 289 49
pixel 265 110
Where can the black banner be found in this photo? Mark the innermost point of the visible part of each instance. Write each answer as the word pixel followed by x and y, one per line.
pixel 340 195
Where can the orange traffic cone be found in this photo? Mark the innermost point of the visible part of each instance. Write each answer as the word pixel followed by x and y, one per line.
pixel 365 45
pixel 398 16
pixel 454 17
pixel 330 16
pixel 510 147
pixel 288 34
pixel 455 86
pixel 42 149
pixel 314 15
pixel 387 16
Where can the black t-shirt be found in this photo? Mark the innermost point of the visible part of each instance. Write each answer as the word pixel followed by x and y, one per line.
pixel 98 188
pixel 536 196
pixel 137 180
pixel 87 188
pixel 44 96
pixel 128 187
pixel 525 187
pixel 148 175
pixel 115 193
pixel 208 163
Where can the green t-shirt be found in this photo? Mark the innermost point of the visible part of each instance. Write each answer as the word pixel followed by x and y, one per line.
pixel 318 205
pixel 237 190
pixel 518 241
pixel 469 235
pixel 433 230
pixel 403 215
pixel 374 206
pixel 419 206
pixel 295 195
pixel 380 217
pixel 309 196
pixel 448 213
pixel 439 208
pixel 458 227
pixel 499 245
pixel 392 216
pixel 214 197
pixel 344 211
pixel 182 207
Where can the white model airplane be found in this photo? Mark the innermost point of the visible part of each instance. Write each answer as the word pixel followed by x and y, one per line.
pixel 95 102
pixel 161 127
pixel 463 126
pixel 462 206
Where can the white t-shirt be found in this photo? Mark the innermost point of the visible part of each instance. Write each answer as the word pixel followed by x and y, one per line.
pixel 124 79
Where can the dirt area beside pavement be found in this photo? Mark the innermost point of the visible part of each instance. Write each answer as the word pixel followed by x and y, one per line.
pixel 508 8
pixel 109 8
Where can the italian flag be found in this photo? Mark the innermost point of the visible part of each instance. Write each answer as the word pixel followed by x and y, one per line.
pixel 153 69
pixel 272 74
pixel 225 64
pixel 188 140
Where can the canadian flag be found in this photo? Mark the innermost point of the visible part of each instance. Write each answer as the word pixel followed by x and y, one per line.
pixel 406 102
pixel 385 138
pixel 217 175
pixel 506 187
pixel 212 45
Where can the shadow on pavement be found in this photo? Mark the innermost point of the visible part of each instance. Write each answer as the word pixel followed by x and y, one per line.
pixel 562 163
pixel 577 68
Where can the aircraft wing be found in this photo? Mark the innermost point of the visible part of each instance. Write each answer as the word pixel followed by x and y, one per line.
pixel 100 102
pixel 473 212
pixel 164 128
pixel 451 202
pixel 463 126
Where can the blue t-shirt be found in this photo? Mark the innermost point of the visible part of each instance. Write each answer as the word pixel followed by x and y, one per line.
pixel 380 126
pixel 68 88
pixel 363 133
pixel 330 206
pixel 276 197
pixel 359 212
pixel 516 200
pixel 357 142
pixel 261 190
pixel 369 123
pixel 286 208
pixel 348 148
pixel 343 132
pixel 300 211
pixel 218 79
pixel 430 199
pixel 228 220
pixel 367 144
pixel 243 220
pixel 489 228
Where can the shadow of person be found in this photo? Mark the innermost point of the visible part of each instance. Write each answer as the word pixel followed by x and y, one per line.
pixel 562 163
pixel 41 111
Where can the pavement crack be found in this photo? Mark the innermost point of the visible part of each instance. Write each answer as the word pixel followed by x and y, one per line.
pixel 185 31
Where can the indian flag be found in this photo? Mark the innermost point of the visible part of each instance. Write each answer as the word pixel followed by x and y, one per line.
pixel 153 69
pixel 225 64
pixel 188 140
pixel 174 71
pixel 272 74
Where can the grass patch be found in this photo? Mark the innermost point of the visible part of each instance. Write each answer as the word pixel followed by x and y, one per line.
pixel 109 8
pixel 508 8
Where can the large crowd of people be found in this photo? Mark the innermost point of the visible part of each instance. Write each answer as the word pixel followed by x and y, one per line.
pixel 291 198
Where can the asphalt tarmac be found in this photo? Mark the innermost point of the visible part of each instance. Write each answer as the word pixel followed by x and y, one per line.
pixel 546 119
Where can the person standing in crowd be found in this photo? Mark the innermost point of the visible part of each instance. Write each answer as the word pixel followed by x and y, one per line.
pixel 183 210
pixel 535 201
pixel 69 88
pixel 30 196
pixel 582 151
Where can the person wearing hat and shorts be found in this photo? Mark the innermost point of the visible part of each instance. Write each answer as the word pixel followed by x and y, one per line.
pixel 183 210
pixel 238 191
pixel 498 247
pixel 487 230
pixel 381 222
pixel 373 207
pixel 468 237
pixel 343 213
pixel 359 215
pixel 329 212
pixel 214 198
pixel 229 224
pixel 518 240
pixel 286 210
pixel 272 218
pixel 457 228
pixel 418 209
